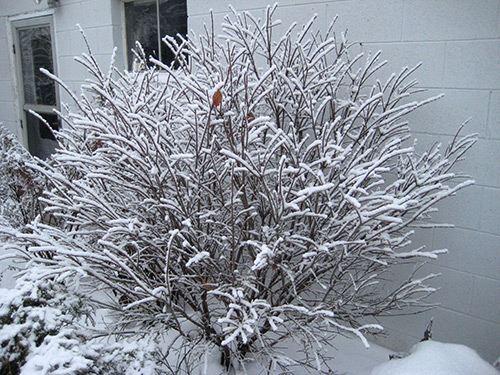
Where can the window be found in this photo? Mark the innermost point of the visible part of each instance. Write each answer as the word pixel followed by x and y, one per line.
pixel 148 21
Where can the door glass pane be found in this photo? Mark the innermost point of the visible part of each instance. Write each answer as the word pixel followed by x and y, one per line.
pixel 41 141
pixel 36 52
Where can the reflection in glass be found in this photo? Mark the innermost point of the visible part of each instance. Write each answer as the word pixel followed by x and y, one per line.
pixel 142 25
pixel 36 52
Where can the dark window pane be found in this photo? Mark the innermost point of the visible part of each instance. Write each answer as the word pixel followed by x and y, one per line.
pixel 142 25
pixel 173 21
pixel 45 132
pixel 41 141
pixel 141 22
pixel 36 52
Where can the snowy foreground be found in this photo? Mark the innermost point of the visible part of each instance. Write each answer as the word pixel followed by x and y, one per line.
pixel 425 358
pixel 435 358
pixel 349 356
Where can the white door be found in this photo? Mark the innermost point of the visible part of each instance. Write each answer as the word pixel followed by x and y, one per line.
pixel 34 49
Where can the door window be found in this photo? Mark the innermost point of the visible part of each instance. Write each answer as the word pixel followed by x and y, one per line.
pixel 34 50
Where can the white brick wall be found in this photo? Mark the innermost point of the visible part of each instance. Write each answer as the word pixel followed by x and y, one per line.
pixel 102 23
pixel 458 42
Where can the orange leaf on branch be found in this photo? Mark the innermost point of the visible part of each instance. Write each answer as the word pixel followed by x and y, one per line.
pixel 250 117
pixel 217 98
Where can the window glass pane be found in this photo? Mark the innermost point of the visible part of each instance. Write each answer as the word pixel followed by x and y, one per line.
pixel 142 25
pixel 141 22
pixel 36 52
pixel 173 21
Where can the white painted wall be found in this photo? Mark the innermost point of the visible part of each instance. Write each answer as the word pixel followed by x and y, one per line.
pixel 8 111
pixel 102 22
pixel 458 42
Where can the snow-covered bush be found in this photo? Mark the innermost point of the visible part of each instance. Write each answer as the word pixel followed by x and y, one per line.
pixel 256 192
pixel 28 314
pixel 20 186
pixel 70 352
pixel 41 334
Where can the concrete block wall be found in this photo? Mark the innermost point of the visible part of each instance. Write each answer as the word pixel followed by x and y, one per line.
pixel 458 43
pixel 101 21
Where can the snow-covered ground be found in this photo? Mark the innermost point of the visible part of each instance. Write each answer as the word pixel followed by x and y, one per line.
pixel 350 357
pixel 436 358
